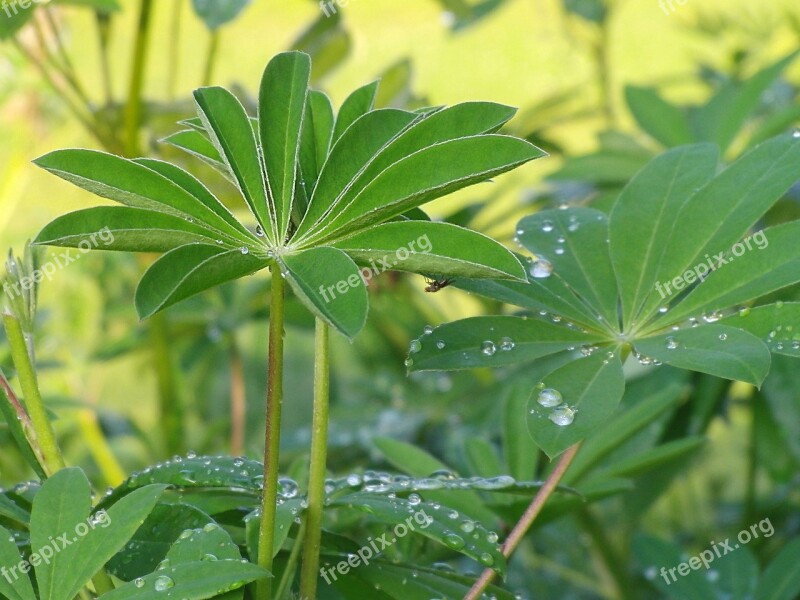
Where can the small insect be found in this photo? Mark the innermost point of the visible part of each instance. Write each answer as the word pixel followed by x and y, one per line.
pixel 434 285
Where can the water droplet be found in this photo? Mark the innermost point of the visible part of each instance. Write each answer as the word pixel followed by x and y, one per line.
pixel 138 582
pixel 573 227
pixel 561 239
pixel 547 226
pixel 454 541
pixel 541 269
pixel 506 344
pixel 492 537
pixel 559 250
pixel 244 250
pixel 219 242
pixel 563 416
pixel 163 583
pixel 663 309
pixel 723 336
pixel 353 480
pixel 650 573
pixel 210 527
pixel 440 345
pixel 712 575
pixel 414 499
pixel 259 231
pixel 428 329
pixel 743 312
pixel 796 134
pixel 672 343
pixel 488 348
pixel 486 559
pixel 415 346
pixel 409 362
pixel 712 317
pixel 549 397
pixel 467 526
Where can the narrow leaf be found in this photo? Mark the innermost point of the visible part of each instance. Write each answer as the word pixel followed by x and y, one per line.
pixel 357 104
pixel 777 325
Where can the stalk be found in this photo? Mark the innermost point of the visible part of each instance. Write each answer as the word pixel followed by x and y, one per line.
pixel 238 399
pixel 133 108
pixel 316 475
pixel 104 458
pixel 521 528
pixel 169 403
pixel 43 428
pixel 272 432
pixel 211 58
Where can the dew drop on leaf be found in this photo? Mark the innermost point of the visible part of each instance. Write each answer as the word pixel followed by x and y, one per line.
pixel 440 345
pixel 486 559
pixel 723 336
pixel 415 346
pixel 488 348
pixel 163 583
pixel 138 582
pixel 244 250
pixel 549 397
pixel 547 226
pixel 507 344
pixel 562 416
pixel 454 541
pixel 672 343
pixel 541 269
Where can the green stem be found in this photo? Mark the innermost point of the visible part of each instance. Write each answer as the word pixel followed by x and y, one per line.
pixel 238 399
pixel 272 431
pixel 319 456
pixel 291 564
pixel 174 48
pixel 170 407
pixel 526 521
pixel 51 453
pixel 103 22
pixel 102 583
pixel 608 557
pixel 133 108
pixel 211 57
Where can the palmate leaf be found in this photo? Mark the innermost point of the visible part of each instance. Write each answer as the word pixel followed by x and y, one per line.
pixel 437 248
pixel 443 525
pixel 493 342
pixel 18 588
pixel 761 267
pixel 777 325
pixel 575 242
pixel 360 167
pixel 227 123
pixel 59 507
pixel 721 213
pixel 315 138
pixel 645 215
pixel 282 103
pixel 719 350
pixel 198 145
pixel 664 122
pixel 188 270
pixel 356 105
pixel 572 401
pixel 216 13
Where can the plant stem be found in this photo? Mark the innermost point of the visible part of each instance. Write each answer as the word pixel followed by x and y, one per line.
pixel 133 108
pixel 99 449
pixel 171 414
pixel 211 57
pixel 272 431
pixel 291 564
pixel 319 455
pixel 45 435
pixel 174 48
pixel 526 521
pixel 238 399
pixel 103 22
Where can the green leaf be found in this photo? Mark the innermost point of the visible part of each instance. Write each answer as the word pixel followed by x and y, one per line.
pixel 723 211
pixel 216 13
pixel 408 457
pixel 192 581
pixel 435 248
pixel 521 453
pixel 331 286
pixel 60 512
pixel 356 105
pixel 737 575
pixel 327 42
pixel 590 390
pixel 122 228
pixel 434 521
pixel 431 173
pixel 657 557
pixel 281 104
pixel 228 125
pixel 151 542
pixel 348 156
pixel 13 588
pixel 315 140
pixel 644 217
pixel 718 350
pixel 199 146
pixel 664 122
pixel 202 543
pixel 493 342
pixel 192 185
pixel 781 580
pixel 189 270
pixel 762 263
pixel 727 112
pixel 649 460
pixel 129 183
pixel 575 243
pixel 285 514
